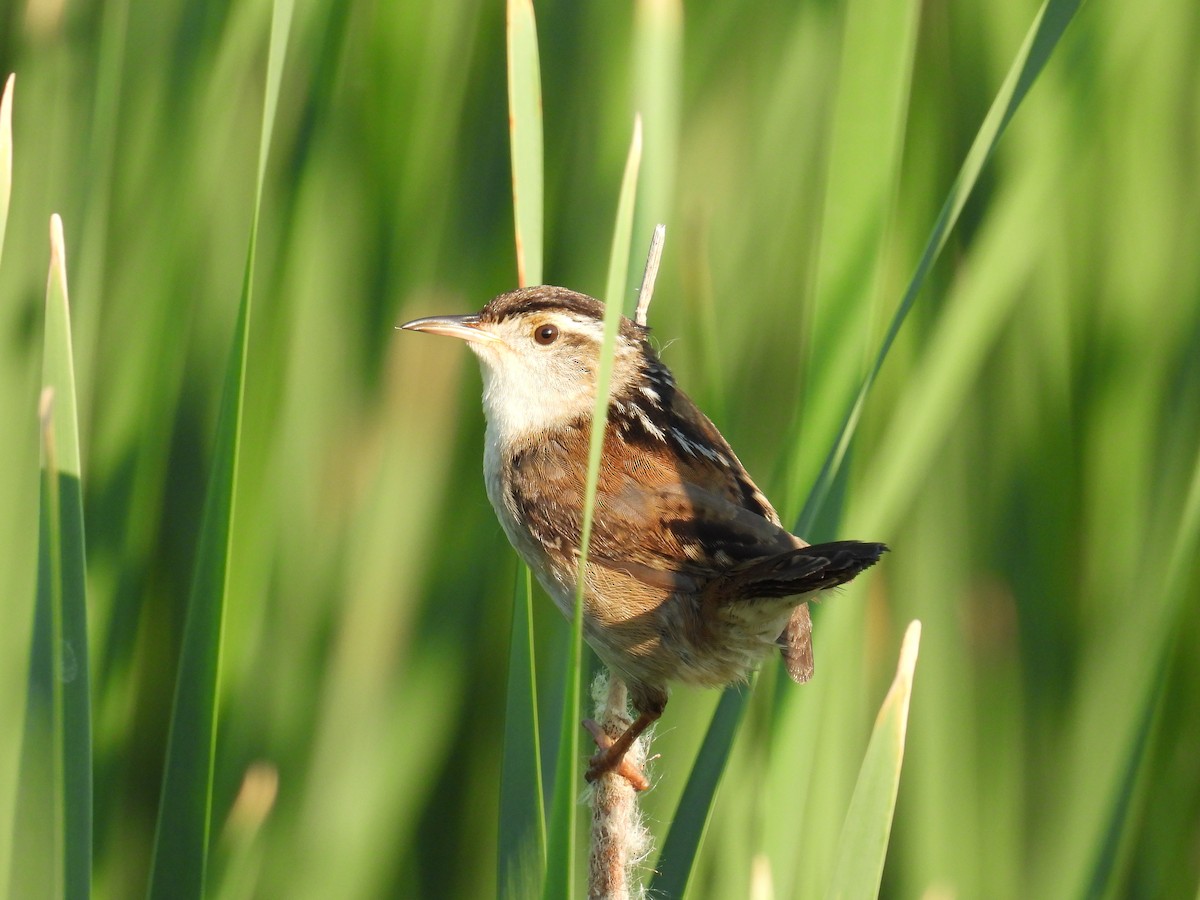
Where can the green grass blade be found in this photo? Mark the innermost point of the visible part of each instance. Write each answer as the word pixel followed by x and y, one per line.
pixel 864 218
pixel 53 841
pixel 658 73
pixel 1027 449
pixel 972 319
pixel 618 277
pixel 560 874
pixel 71 668
pixel 866 147
pixel 5 156
pixel 1109 745
pixel 1040 39
pixel 863 845
pixel 677 861
pixel 1043 36
pixel 522 825
pixel 522 831
pixel 185 807
pixel 525 138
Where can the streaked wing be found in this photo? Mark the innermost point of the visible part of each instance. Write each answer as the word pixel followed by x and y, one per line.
pixel 671 511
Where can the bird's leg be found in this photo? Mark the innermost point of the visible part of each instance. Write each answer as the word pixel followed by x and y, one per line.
pixel 610 756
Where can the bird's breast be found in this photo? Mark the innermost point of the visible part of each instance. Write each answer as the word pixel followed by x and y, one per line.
pixel 551 561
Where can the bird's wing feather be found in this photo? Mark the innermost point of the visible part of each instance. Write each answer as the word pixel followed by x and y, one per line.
pixel 675 509
pixel 663 512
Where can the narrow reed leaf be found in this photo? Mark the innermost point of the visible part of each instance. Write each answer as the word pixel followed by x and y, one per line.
pixel 522 831
pixel 522 826
pixel 1026 451
pixel 1109 745
pixel 53 840
pixel 863 845
pixel 560 875
pixel 58 366
pixel 525 139
pixel 658 76
pixel 677 862
pixel 618 269
pixel 866 145
pixel 1040 42
pixel 5 155
pixel 185 807
pixel 972 318
pixel 858 224
pixel 281 25
pixel 1043 36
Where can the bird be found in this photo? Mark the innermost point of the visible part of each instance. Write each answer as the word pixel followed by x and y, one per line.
pixel 690 577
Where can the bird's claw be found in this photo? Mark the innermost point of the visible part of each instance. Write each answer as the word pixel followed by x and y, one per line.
pixel 612 758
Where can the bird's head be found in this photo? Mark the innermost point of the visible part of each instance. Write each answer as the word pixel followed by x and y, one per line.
pixel 539 350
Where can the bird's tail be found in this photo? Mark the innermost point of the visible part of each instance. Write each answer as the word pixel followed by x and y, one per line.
pixel 801 571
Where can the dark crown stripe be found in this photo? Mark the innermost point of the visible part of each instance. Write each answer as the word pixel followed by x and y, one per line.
pixel 546 299
pixel 554 299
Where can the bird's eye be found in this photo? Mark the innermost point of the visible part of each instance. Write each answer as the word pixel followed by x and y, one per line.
pixel 546 334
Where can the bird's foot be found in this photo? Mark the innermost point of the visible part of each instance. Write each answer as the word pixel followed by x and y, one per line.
pixel 611 756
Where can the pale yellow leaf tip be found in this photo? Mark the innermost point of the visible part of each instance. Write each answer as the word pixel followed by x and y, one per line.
pixel 6 104
pixel 636 145
pixel 58 253
pixel 901 689
pixel 908 650
pixel 58 258
pixel 6 149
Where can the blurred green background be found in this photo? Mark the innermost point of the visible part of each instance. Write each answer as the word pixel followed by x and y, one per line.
pixel 1027 452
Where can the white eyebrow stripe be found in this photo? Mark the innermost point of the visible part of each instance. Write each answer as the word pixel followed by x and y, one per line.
pixel 587 327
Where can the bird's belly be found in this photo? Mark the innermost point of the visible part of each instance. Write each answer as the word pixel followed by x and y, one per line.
pixel 735 647
pixel 727 658
pixel 672 640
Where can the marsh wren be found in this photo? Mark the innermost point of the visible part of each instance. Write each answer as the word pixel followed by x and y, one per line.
pixel 690 576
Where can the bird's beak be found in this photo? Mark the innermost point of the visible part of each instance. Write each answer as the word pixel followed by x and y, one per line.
pixel 468 328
